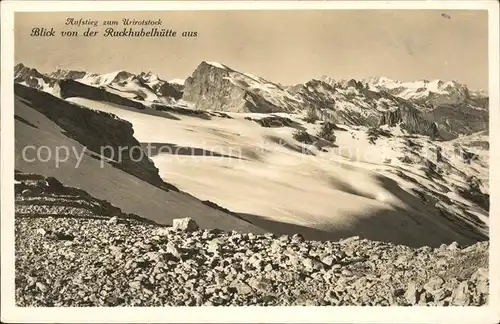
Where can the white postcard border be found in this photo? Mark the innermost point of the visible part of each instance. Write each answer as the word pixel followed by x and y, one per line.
pixel 11 314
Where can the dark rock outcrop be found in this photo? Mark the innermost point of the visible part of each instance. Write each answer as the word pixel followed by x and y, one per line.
pixel 168 90
pixel 273 121
pixel 69 88
pixel 161 87
pixel 68 74
pixel 459 119
pixel 411 120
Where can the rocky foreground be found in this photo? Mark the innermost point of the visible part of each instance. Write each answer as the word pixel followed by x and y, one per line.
pixel 74 250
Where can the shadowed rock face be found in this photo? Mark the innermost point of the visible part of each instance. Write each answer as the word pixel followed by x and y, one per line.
pixel 131 183
pixel 93 129
pixel 411 120
pixel 443 117
pixel 69 88
pixel 482 102
pixel 322 96
pixel 31 77
pixel 161 87
pixel 459 119
pixel 169 90
pixel 63 74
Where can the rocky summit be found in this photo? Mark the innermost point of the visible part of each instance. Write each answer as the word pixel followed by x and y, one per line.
pixel 75 250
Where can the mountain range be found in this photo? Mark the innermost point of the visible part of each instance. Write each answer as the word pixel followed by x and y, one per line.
pixel 441 109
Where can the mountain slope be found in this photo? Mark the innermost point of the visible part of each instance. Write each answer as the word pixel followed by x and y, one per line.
pixel 143 86
pixel 67 88
pixel 134 186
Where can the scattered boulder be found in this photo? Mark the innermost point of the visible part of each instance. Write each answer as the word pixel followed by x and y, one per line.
pixel 54 185
pixel 434 284
pixel 172 249
pixel 260 284
pixel 185 224
pixel 461 295
pixel 453 246
pixel 412 293
pixel 113 220
pixel 80 262
pixel 241 287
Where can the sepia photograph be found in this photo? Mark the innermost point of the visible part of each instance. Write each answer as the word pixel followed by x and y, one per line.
pixel 279 156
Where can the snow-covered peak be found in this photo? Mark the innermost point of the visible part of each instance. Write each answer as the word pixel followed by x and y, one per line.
pixel 149 77
pixel 328 80
pixel 177 81
pixel 436 86
pixel 67 74
pixel 478 93
pixel 95 79
pixel 431 91
pixel 215 64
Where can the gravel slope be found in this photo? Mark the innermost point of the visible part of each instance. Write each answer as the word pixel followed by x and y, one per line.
pixel 71 252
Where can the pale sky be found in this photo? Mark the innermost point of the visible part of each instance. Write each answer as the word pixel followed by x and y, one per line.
pixel 282 46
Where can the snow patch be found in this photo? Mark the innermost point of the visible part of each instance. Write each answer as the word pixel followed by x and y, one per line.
pixel 177 81
pixel 216 64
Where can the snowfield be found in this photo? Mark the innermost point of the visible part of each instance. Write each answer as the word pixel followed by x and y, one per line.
pixel 353 188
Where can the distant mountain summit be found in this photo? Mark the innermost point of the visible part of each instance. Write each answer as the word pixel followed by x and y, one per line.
pixel 435 92
pixel 32 78
pixel 145 86
pixel 219 87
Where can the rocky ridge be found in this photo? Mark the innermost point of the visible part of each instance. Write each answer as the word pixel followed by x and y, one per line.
pixel 443 114
pixel 32 78
pixel 137 87
pixel 92 131
pixel 68 88
pixel 75 250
